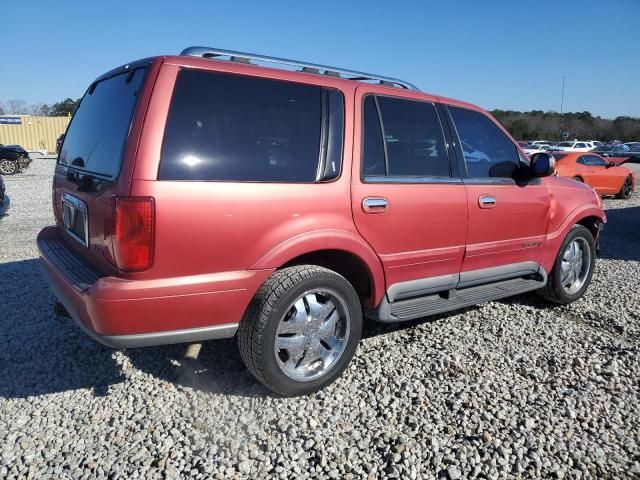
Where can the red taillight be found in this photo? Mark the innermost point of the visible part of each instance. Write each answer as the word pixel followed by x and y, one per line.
pixel 133 233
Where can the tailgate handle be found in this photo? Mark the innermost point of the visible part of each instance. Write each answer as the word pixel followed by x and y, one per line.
pixel 375 204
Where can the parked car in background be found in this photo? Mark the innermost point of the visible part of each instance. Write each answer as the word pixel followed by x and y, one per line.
pixel 13 159
pixel 574 147
pixel 633 146
pixel 18 148
pixel 533 149
pixel 595 143
pixel 524 144
pixel 605 177
pixel 4 198
pixel 280 206
pixel 612 150
pixel 620 151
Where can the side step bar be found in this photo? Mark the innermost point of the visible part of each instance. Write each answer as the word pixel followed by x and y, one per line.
pixel 389 312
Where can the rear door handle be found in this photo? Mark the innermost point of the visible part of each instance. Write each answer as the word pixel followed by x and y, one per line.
pixel 487 201
pixel 375 204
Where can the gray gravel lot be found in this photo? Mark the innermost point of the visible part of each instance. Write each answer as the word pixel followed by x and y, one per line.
pixel 508 389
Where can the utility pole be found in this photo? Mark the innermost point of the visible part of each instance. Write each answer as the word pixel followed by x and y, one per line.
pixel 562 98
pixel 562 129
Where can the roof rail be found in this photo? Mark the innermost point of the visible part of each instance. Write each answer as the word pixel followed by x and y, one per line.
pixel 243 57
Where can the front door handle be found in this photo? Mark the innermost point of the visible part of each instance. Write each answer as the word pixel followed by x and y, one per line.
pixel 375 204
pixel 487 201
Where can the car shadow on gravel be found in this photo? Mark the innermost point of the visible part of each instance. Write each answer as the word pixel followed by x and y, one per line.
pixel 218 368
pixel 40 353
pixel 620 238
pixel 43 354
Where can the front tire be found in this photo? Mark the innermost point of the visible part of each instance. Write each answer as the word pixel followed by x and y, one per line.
pixel 626 190
pixel 573 268
pixel 301 329
pixel 8 167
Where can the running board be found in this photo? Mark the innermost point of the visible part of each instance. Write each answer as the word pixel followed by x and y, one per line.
pixel 448 300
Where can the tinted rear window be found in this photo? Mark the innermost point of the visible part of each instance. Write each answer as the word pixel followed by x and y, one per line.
pixel 98 132
pixel 239 128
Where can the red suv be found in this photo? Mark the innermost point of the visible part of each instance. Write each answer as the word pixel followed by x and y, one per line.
pixel 205 195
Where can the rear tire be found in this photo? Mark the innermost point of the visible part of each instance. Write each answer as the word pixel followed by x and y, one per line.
pixel 573 268
pixel 301 329
pixel 626 190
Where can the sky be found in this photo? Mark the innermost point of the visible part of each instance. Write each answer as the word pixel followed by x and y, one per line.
pixel 508 54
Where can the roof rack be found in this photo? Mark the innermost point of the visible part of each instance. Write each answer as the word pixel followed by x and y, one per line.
pixel 243 57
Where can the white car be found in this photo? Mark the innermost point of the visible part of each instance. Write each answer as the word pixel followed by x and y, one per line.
pixel 595 143
pixel 575 146
pixel 531 149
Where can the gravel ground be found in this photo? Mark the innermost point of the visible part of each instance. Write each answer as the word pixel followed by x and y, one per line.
pixel 508 389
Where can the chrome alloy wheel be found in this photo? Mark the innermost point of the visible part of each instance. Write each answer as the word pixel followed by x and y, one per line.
pixel 576 263
pixel 312 335
pixel 8 167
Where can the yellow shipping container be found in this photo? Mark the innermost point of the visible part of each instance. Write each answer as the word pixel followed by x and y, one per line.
pixel 33 133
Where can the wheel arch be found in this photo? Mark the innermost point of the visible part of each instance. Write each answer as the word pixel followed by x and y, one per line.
pixel 588 216
pixel 341 251
pixel 591 222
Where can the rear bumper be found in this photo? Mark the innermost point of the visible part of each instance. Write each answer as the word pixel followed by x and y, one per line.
pixel 122 313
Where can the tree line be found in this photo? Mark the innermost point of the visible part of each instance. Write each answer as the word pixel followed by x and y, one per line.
pixel 539 125
pixel 19 107
pixel 533 125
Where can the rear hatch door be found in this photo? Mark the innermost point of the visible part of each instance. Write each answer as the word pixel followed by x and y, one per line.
pixel 90 173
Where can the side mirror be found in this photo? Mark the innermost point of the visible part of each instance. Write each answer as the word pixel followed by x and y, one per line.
pixel 611 164
pixel 542 165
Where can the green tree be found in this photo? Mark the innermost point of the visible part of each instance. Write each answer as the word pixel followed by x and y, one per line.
pixel 61 109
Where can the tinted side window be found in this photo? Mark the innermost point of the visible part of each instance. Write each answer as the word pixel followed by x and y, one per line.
pixel 596 161
pixel 373 157
pixel 582 160
pixel 488 152
pixel 238 128
pixel 413 137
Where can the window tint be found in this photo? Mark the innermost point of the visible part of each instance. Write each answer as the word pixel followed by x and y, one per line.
pixel 581 145
pixel 237 128
pixel 597 161
pixel 488 152
pixel 373 163
pixel 413 137
pixel 95 139
pixel 592 161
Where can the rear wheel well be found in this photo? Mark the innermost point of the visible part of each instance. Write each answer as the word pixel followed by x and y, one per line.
pixel 346 264
pixel 591 223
